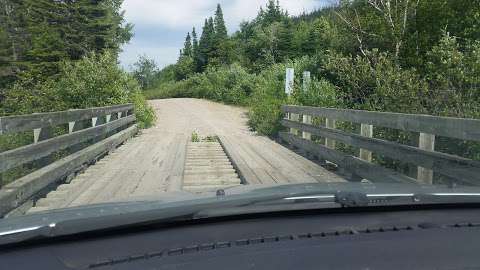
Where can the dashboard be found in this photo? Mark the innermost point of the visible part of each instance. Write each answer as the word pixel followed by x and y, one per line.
pixel 401 239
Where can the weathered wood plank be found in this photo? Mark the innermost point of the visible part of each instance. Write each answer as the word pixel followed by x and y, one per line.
pixel 353 164
pixel 176 163
pixel 453 166
pixel 18 192
pixel 13 124
pixel 245 173
pixel 28 153
pixel 460 128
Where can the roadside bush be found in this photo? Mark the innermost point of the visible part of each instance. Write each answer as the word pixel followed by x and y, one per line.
pixel 269 94
pixel 375 82
pixel 144 113
pixel 93 81
pixel 453 74
pixel 231 85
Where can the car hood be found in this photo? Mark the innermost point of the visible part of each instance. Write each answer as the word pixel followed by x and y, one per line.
pixel 186 206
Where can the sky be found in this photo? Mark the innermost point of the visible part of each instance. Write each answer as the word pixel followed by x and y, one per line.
pixel 160 26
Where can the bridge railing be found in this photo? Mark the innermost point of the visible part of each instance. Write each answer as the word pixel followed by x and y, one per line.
pixel 429 161
pixel 84 136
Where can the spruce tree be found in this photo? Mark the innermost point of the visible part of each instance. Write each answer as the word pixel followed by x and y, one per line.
pixel 203 45
pixel 194 43
pixel 187 48
pixel 273 13
pixel 39 34
pixel 220 27
pixel 285 41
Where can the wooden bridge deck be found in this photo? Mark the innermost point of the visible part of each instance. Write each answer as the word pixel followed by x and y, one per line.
pixel 154 161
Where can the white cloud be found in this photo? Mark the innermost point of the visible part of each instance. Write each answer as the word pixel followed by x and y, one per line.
pixel 163 55
pixel 186 13
pixel 167 13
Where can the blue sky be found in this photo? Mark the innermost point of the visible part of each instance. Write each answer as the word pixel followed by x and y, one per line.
pixel 161 25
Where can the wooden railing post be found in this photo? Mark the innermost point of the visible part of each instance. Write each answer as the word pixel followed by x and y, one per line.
pixel 307 119
pixel 330 123
pixel 294 117
pixel 94 121
pixel 36 135
pixel 366 131
pixel 41 134
pixel 71 127
pixel 426 142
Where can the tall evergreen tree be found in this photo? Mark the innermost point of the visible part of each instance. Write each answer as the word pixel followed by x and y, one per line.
pixel 187 48
pixel 285 41
pixel 39 34
pixel 194 43
pixel 206 44
pixel 12 45
pixel 220 27
pixel 211 38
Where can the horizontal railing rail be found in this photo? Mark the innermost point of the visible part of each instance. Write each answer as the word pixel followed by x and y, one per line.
pixel 16 157
pixel 460 128
pixel 424 156
pixel 14 124
pixel 90 134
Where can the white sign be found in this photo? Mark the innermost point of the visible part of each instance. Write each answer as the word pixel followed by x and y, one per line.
pixel 306 80
pixel 289 81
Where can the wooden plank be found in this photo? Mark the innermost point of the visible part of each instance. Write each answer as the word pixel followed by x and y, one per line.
pixel 13 124
pixel 28 153
pixel 456 167
pixel 350 163
pixel 246 174
pixel 460 128
pixel 18 192
pixel 176 163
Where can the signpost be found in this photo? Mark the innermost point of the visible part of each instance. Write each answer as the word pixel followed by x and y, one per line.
pixel 307 119
pixel 289 81
pixel 289 85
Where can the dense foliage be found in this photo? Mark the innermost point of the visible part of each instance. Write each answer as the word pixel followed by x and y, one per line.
pixel 401 56
pixel 60 55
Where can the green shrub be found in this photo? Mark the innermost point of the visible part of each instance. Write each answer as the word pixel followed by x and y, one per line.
pixel 93 81
pixel 376 82
pixel 144 113
pixel 453 74
pixel 231 85
pixel 269 94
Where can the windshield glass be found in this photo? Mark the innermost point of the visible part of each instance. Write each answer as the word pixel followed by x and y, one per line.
pixel 131 105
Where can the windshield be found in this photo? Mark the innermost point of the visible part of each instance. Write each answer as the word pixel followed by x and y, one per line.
pixel 133 105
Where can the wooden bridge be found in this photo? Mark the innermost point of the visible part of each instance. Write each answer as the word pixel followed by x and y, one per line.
pixel 98 155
